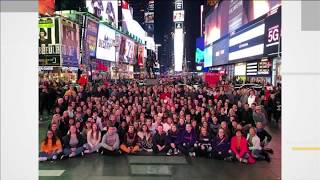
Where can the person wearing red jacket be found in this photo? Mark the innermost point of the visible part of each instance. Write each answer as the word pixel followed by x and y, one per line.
pixel 239 148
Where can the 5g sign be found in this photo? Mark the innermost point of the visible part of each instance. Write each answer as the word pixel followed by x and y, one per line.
pixel 273 34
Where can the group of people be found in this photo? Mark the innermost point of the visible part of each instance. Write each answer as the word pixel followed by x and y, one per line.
pixel 166 119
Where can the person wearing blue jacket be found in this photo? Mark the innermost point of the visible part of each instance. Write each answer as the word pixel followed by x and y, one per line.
pixel 186 141
pixel 220 145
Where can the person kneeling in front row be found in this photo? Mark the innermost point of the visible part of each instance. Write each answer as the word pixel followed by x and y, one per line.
pixel 110 142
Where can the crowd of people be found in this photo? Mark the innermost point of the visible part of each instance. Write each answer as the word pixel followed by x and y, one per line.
pixel 125 118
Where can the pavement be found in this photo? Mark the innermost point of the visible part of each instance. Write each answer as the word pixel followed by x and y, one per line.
pixel 97 167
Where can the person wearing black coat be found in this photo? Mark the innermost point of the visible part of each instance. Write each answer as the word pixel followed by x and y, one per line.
pixel 265 138
pixel 246 116
pixel 220 145
pixel 160 141
pixel 72 143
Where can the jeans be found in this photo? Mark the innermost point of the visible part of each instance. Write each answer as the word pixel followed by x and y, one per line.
pixel 110 152
pixel 258 154
pixel 164 150
pixel 48 155
pixel 233 155
pixel 92 149
pixel 186 149
pixel 67 151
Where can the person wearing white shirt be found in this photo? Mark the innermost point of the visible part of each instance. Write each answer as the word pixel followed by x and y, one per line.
pixel 255 147
pixel 251 98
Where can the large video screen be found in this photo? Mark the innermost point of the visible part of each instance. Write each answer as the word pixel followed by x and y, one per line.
pixel 107 9
pixel 49 42
pixel 105 43
pixel 232 14
pixel 220 52
pixel 70 43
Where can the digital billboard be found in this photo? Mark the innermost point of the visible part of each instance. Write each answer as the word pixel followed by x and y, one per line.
pixel 247 43
pixel 70 43
pixel 105 9
pixel 49 42
pixel 105 43
pixel 46 7
pixel 91 33
pixel 230 15
pixel 273 33
pixel 178 16
pixel 149 17
pixel 208 56
pixel 199 51
pixel 178 50
pixel 220 52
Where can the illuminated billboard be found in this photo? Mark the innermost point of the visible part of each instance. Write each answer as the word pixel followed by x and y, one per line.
pixel 231 15
pixel 105 43
pixel 178 49
pixel 105 9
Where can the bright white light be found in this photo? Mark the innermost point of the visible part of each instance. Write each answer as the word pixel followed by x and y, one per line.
pixel 240 69
pixel 247 52
pixel 178 49
pixel 208 56
pixel 260 8
pixel 252 33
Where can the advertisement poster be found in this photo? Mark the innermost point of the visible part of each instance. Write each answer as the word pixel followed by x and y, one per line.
pixel 46 7
pixel 126 50
pixel 49 42
pixel 70 43
pixel 106 43
pixel 105 9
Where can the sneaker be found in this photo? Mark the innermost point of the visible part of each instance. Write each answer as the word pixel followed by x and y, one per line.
pixel 82 153
pixel 43 158
pixel 269 151
pixel 169 153
pixel 267 158
pixel 245 161
pixel 228 159
pixel 62 157
pixel 149 150
pixel 175 151
pixel 194 154
pixel 54 157
pixel 101 153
